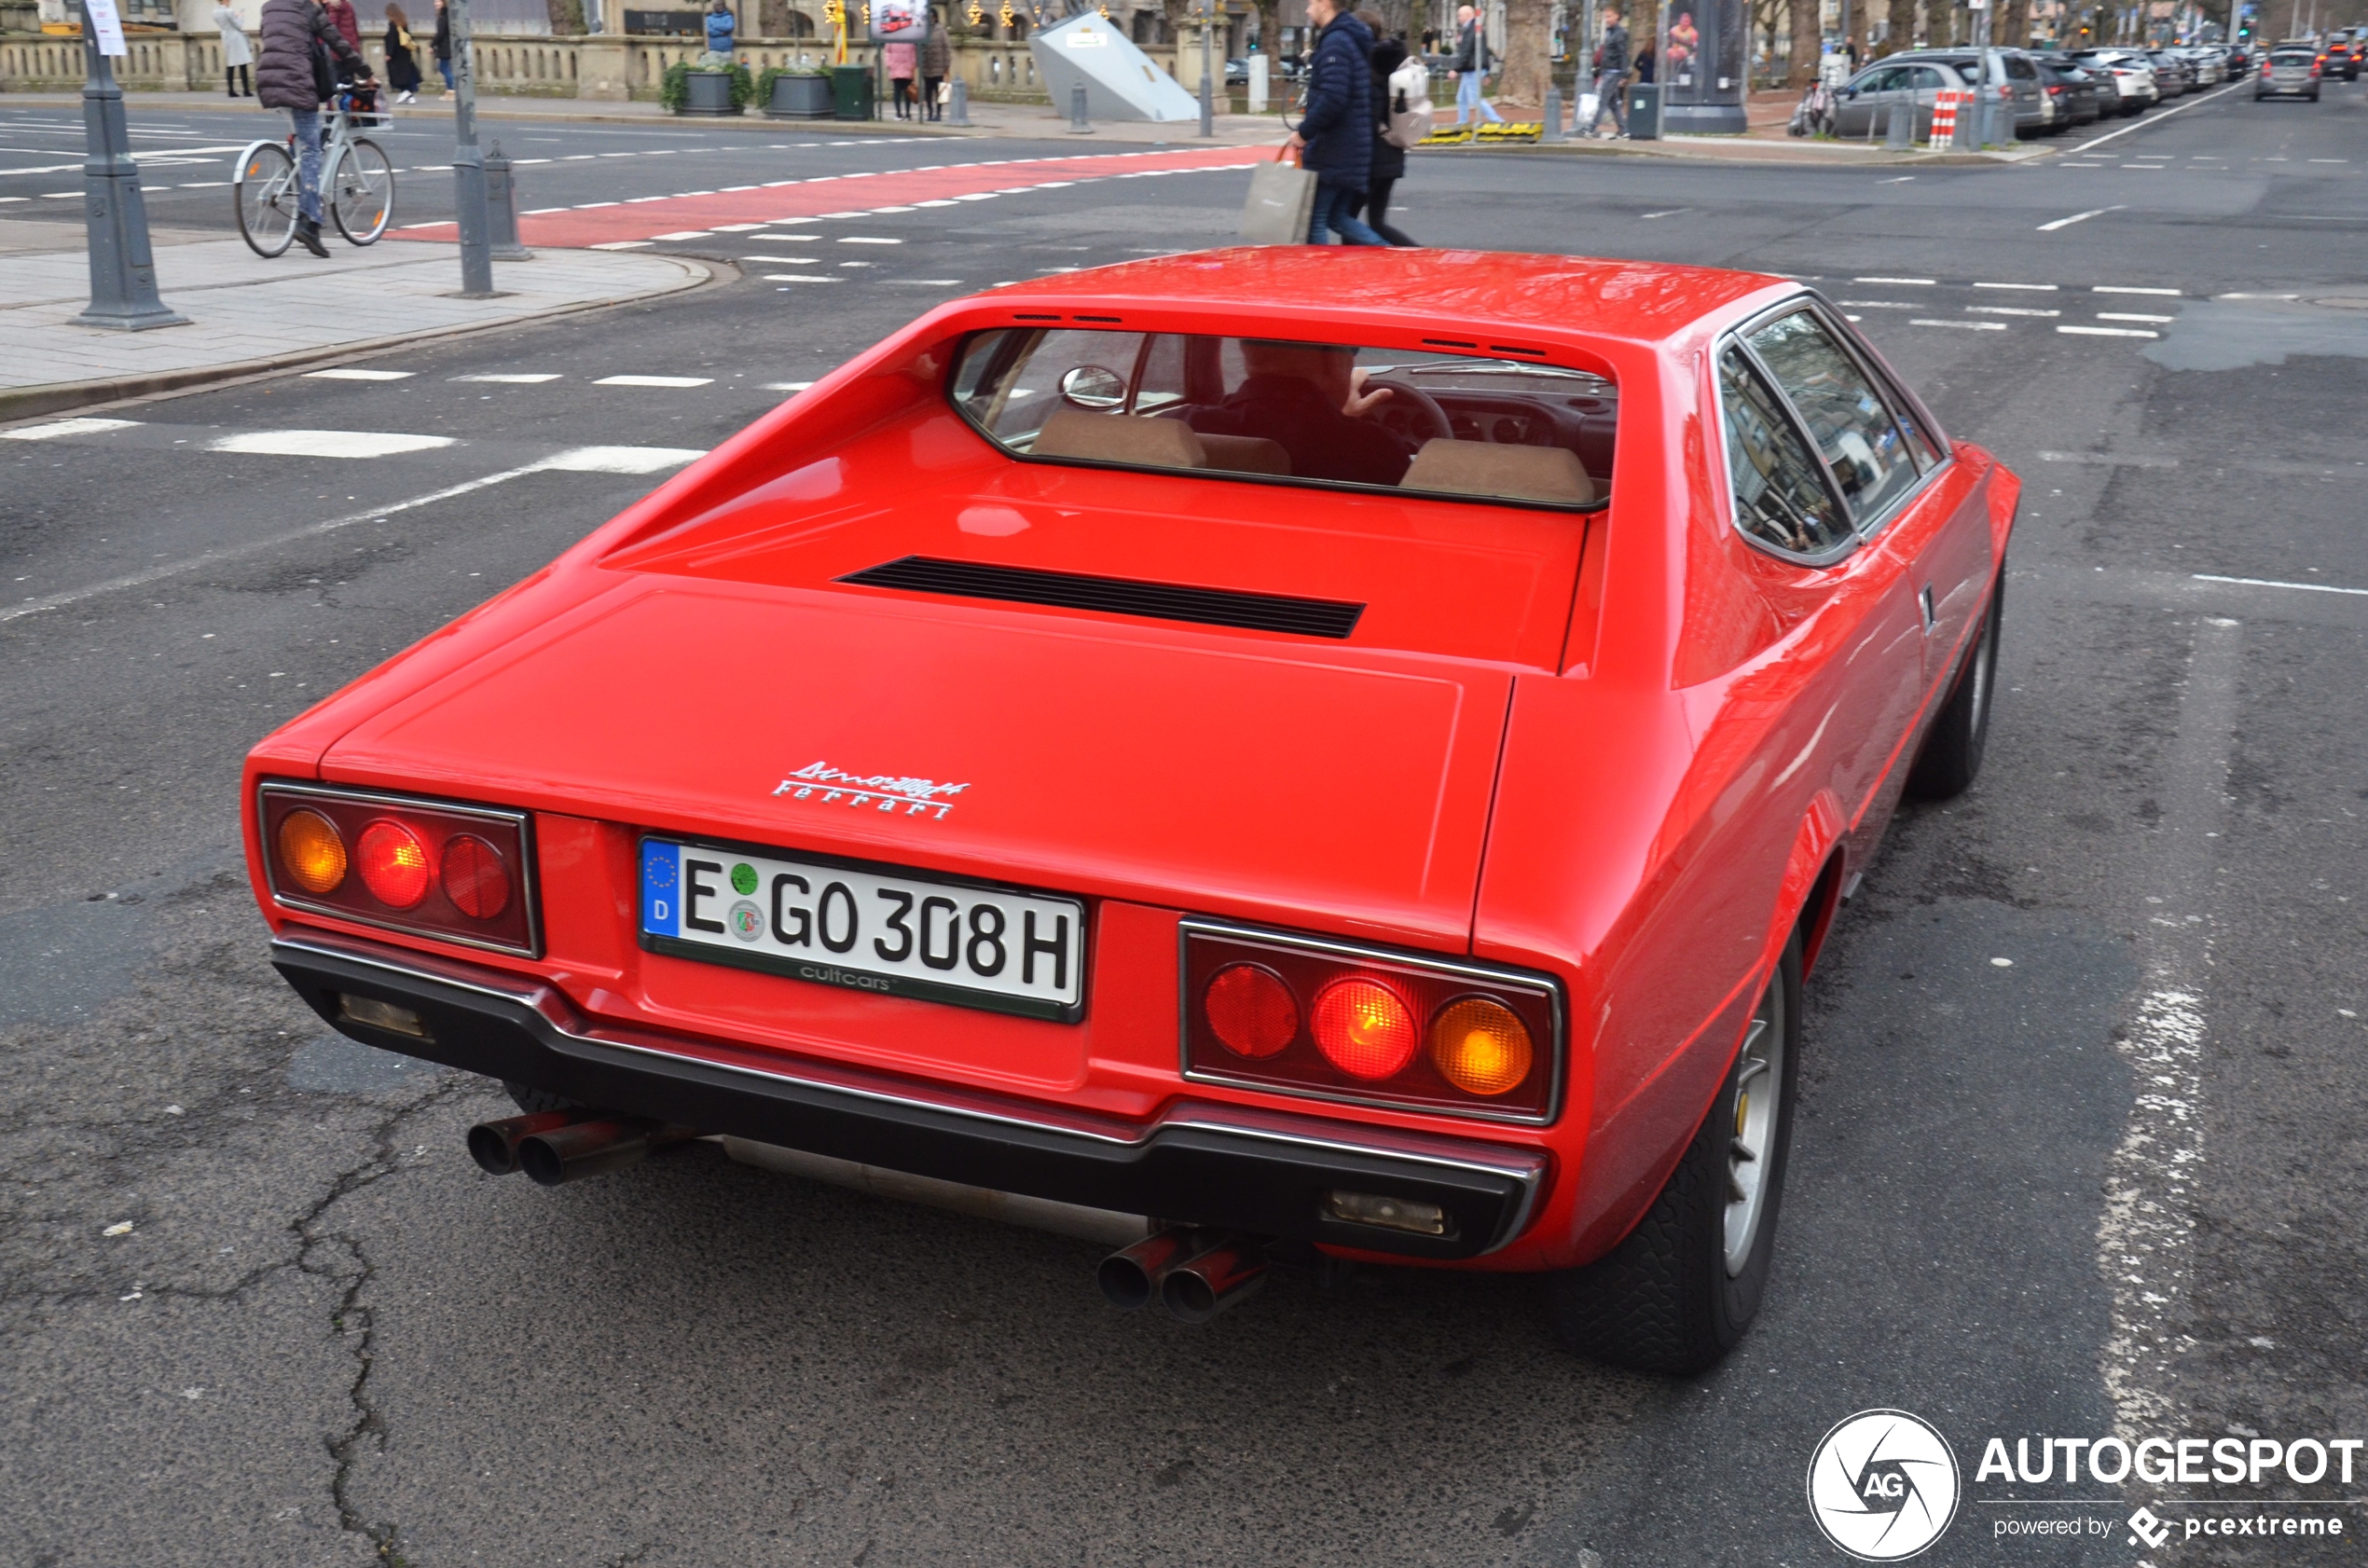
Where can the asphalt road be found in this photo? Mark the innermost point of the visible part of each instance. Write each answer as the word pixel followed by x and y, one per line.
pixel 2109 1182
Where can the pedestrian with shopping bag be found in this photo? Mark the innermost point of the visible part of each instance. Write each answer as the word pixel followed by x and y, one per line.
pixel 937 63
pixel 1335 136
pixel 1470 68
pixel 1402 117
pixel 1611 78
pixel 403 65
pixel 238 59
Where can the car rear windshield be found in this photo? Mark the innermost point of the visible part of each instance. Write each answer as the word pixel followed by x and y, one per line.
pixel 1459 425
pixel 2292 57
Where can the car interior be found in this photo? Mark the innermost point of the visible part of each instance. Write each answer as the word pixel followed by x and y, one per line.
pixel 1458 425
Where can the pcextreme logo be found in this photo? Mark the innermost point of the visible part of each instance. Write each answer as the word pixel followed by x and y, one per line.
pixel 1883 1485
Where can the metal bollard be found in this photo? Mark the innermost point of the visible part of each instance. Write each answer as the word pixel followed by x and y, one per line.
pixel 1553 131
pixel 502 209
pixel 1077 112
pixel 957 104
pixel 1899 130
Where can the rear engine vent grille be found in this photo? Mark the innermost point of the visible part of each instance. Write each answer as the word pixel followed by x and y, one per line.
pixel 1117 596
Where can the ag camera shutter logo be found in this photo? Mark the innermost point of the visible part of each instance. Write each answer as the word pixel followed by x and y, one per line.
pixel 1883 1485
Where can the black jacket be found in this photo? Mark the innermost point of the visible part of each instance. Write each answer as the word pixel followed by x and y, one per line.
pixel 1339 122
pixel 1471 48
pixel 1389 160
pixel 1615 51
pixel 441 44
pixel 291 31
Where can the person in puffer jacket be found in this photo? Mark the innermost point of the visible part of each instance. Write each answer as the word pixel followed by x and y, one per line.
pixel 1337 131
pixel 292 30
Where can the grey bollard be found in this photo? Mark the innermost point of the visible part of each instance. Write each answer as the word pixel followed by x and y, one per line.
pixel 502 209
pixel 1077 112
pixel 1553 131
pixel 957 104
pixel 1899 130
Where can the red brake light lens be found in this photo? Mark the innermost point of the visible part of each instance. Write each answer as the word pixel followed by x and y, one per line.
pixel 1250 1011
pixel 474 878
pixel 395 864
pixel 1364 1028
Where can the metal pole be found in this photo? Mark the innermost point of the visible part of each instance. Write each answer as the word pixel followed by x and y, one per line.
pixel 123 270
pixel 468 164
pixel 1208 87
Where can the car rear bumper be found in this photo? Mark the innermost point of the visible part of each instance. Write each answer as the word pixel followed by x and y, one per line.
pixel 1197 1164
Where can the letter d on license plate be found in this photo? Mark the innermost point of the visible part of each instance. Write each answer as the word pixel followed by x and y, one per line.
pixel 864 928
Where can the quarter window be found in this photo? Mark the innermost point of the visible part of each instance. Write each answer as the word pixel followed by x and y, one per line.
pixel 1781 496
pixel 1846 417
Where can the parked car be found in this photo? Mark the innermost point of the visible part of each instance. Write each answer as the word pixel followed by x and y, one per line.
pixel 1911 82
pixel 2206 61
pixel 2289 71
pixel 2073 89
pixel 1388 827
pixel 2133 75
pixel 2174 75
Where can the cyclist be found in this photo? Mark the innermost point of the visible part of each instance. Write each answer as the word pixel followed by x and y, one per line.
pixel 303 59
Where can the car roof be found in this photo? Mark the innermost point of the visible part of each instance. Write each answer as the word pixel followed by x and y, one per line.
pixel 1328 288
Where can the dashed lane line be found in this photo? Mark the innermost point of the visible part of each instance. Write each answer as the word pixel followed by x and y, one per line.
pixel 653 382
pixel 2079 217
pixel 2108 332
pixel 2127 288
pixel 328 442
pixel 355 373
pixel 1963 327
pixel 2269 582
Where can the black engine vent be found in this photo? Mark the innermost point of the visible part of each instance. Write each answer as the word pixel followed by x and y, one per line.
pixel 1119 596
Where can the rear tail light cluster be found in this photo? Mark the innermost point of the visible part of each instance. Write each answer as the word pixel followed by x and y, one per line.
pixel 1310 1016
pixel 457 872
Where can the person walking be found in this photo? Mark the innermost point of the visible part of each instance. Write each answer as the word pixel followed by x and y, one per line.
pixel 349 26
pixel 937 63
pixel 1611 77
pixel 1335 137
pixel 900 61
pixel 236 58
pixel 1470 68
pixel 292 75
pixel 403 65
pixel 1389 159
pixel 440 45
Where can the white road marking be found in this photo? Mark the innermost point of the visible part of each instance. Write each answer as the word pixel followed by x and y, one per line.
pixel 354 373
pixel 2124 288
pixel 1912 282
pixel 2108 332
pixel 2111 460
pixel 1879 305
pixel 929 282
pixel 1895 180
pixel 57 428
pixel 1670 214
pixel 2036 288
pixel 738 227
pixel 786 386
pixel 784 260
pixel 2124 316
pixel 686 234
pixel 653 380
pixel 867 240
pixel 802 278
pixel 622 245
pixel 2256 297
pixel 620 459
pixel 2269 582
pixel 327 443
pixel 2331 160
pixel 2010 310
pixel 513 378
pixel 2078 217
pixel 1967 327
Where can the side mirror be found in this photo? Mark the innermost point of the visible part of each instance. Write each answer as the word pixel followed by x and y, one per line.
pixel 1091 385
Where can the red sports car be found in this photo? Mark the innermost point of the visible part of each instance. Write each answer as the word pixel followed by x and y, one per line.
pixel 1350 753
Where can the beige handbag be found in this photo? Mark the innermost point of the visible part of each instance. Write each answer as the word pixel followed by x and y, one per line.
pixel 1281 201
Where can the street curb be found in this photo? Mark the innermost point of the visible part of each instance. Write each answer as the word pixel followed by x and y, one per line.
pixel 26 403
pixel 1616 149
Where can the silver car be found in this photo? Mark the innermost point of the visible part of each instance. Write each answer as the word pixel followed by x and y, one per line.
pixel 2290 71
pixel 1913 82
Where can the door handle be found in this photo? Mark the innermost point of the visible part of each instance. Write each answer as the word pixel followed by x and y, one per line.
pixel 1925 603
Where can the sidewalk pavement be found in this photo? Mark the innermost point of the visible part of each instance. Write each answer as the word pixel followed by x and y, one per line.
pixel 248 314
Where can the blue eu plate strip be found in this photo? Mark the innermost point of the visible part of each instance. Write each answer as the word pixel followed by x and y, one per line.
pixel 661 881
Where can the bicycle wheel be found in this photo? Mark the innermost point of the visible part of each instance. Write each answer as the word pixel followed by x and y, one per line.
pixel 263 191
pixel 362 192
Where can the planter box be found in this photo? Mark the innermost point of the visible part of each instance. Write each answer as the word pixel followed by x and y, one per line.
pixel 801 98
pixel 708 93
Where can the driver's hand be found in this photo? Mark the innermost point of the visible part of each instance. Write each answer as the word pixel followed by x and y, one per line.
pixel 1361 402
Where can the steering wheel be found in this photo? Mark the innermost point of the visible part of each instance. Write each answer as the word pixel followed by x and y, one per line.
pixel 1411 412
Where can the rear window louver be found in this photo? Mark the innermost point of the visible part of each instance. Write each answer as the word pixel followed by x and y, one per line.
pixel 1117 596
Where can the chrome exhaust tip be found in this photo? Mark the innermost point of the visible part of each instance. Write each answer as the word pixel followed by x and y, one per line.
pixel 1131 1278
pixel 1214 1279
pixel 494 1145
pixel 586 1148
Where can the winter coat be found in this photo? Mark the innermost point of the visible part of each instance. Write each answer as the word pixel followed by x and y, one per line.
pixel 1339 122
pixel 1644 63
pixel 1389 159
pixel 441 44
pixel 283 70
pixel 403 66
pixel 234 37
pixel 1471 48
pixel 341 13
pixel 900 61
pixel 718 32
pixel 1615 52
pixel 937 54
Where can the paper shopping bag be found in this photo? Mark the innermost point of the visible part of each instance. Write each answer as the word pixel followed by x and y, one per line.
pixel 1282 198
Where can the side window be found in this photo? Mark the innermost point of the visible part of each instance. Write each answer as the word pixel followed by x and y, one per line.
pixel 1158 379
pixel 1926 78
pixel 1780 495
pixel 1849 423
pixel 2019 69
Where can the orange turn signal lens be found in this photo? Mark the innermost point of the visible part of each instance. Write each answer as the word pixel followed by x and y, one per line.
pixel 395 864
pixel 1481 1046
pixel 1250 1011
pixel 312 851
pixel 1364 1028
pixel 474 878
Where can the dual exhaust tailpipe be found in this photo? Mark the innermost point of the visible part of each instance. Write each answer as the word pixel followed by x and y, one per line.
pixel 553 1147
pixel 1195 1274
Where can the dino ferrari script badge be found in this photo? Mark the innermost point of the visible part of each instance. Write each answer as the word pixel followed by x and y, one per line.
pixel 825 785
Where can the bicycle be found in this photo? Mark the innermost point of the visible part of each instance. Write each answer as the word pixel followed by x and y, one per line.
pixel 357 183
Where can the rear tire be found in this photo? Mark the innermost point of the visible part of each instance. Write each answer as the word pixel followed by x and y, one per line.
pixel 1952 757
pixel 1682 1290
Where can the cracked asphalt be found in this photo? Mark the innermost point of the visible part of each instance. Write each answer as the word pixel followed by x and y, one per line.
pixel 2019 1207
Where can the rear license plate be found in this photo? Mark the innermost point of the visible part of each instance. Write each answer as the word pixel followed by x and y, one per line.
pixel 887 932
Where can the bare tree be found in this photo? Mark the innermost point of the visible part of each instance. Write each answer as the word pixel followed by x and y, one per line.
pixel 2013 23
pixel 1903 27
pixel 1802 68
pixel 1528 40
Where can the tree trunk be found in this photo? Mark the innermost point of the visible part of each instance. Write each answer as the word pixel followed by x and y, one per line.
pixel 2014 24
pixel 1807 25
pixel 1903 27
pixel 1527 42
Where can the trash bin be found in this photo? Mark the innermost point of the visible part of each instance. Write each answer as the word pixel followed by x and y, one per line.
pixel 851 91
pixel 1644 111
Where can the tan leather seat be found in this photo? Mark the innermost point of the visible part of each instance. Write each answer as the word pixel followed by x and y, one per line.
pixel 1549 474
pixel 1247 454
pixel 1072 433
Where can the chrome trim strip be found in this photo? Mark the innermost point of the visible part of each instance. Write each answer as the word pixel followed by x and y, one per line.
pixel 1526 1167
pixel 531 872
pixel 1465 968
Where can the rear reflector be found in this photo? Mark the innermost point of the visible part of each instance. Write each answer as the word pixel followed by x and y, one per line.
pixel 1390 1214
